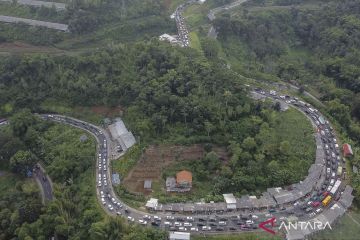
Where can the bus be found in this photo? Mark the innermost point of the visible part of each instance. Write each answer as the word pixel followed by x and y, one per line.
pixel 326 201
pixel 335 187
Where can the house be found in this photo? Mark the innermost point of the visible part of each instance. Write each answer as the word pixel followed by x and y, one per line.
pixel 347 150
pixel 147 184
pixel 170 184
pixel 152 204
pixel 121 135
pixel 184 179
pixel 116 179
pixel 179 236
pixel 169 38
pixel 230 201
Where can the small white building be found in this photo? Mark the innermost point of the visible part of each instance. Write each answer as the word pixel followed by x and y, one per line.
pixel 179 236
pixel 169 38
pixel 230 201
pixel 152 203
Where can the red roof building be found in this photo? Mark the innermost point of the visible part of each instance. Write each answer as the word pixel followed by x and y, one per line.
pixel 184 178
pixel 347 150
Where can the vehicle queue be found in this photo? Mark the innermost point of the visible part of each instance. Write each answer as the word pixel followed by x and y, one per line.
pixel 314 204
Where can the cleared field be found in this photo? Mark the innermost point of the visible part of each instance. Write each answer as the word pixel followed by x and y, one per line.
pixel 156 158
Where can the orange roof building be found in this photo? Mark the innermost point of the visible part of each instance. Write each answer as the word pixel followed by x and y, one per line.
pixel 184 178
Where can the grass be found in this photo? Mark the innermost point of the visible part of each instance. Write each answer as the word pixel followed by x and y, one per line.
pixel 200 188
pixel 345 229
pixel 195 41
pixel 196 15
pixel 301 139
pixel 128 161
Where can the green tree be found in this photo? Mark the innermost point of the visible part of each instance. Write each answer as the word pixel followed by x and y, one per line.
pixel 22 162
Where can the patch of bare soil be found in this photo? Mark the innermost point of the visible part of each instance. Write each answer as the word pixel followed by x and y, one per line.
pixel 20 47
pixel 108 111
pixel 156 158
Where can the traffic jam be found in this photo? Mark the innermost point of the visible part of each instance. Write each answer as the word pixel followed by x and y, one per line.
pixel 183 33
pixel 320 199
pixel 226 221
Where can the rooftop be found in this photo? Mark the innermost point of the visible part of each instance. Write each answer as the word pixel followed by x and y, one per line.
pixel 184 176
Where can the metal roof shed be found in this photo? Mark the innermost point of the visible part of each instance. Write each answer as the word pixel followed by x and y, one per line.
pixel 230 201
pixel 179 236
pixel 152 203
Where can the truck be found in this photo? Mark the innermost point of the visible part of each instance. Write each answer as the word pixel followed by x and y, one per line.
pixel 326 201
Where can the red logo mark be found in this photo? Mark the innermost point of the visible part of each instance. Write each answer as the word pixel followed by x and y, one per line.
pixel 270 221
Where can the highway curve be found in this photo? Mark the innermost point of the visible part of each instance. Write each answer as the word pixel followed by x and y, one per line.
pixel 114 206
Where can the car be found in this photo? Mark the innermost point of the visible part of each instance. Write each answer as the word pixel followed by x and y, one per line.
pixel 131 219
pixel 157 218
pixel 182 229
pixel 249 222
pixel 222 223
pixel 308 209
pixel 170 217
pixel 271 210
pixel 190 219
pixel 254 217
pixel 156 224
pixel 319 210
pixel 194 229
pixel 232 229
pixel 177 224
pixel 212 219
pixel 206 228
pixel 187 224
pixel 167 223
pixel 315 204
pixel 309 202
pixel 200 224
pixel 201 219
pixel 219 229
pixel 143 222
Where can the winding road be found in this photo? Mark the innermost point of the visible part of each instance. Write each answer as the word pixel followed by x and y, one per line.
pixel 207 221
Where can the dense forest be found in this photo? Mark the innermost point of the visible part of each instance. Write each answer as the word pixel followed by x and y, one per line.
pixel 75 214
pixel 169 95
pixel 89 21
pixel 313 44
pixel 173 95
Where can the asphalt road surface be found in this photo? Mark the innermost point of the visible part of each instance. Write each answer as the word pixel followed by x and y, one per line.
pixel 211 222
pixel 56 26
pixel 43 179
